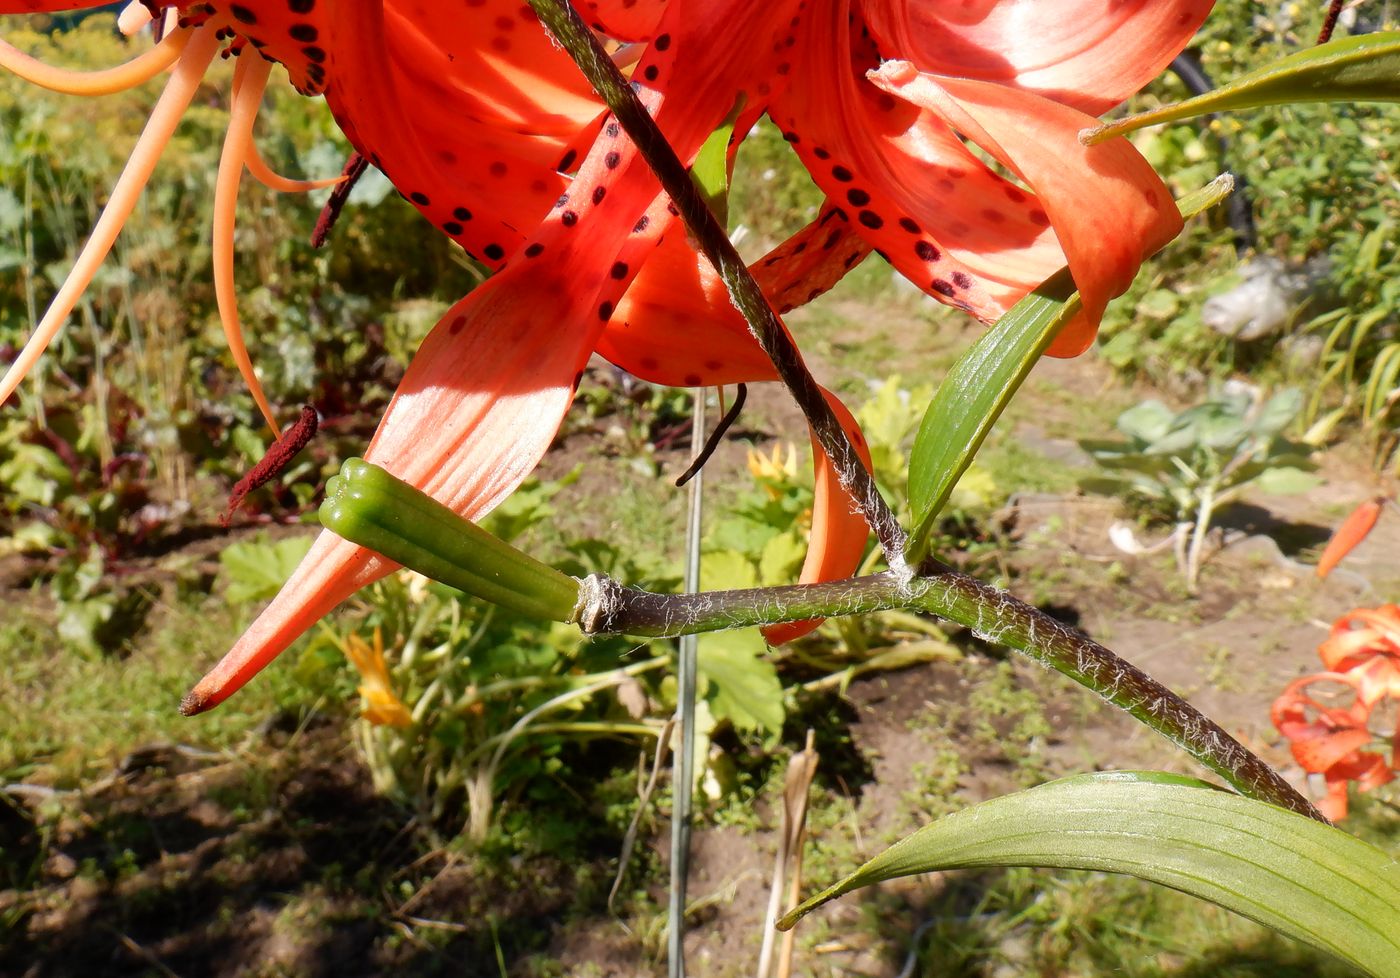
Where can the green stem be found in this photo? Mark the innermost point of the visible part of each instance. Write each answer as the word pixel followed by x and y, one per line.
pixel 993 616
pixel 406 526
pixel 564 23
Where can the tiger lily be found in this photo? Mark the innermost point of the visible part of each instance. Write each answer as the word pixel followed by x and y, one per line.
pixel 1328 740
pixel 488 129
pixel 1365 643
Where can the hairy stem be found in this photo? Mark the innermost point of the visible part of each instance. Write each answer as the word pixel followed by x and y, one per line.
pixel 993 615
pixel 563 22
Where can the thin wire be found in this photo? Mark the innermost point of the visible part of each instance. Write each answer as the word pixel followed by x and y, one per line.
pixel 683 767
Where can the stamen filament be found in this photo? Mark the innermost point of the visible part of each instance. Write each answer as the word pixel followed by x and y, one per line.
pixel 274 181
pixel 249 80
pixel 179 92
pixel 108 81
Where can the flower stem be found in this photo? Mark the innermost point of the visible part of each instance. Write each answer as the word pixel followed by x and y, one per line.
pixel 993 615
pixel 564 23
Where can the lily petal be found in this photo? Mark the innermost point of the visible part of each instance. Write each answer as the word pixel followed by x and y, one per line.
pixel 1108 210
pixel 1088 54
pixel 625 20
pixel 957 230
pixel 839 532
pixel 483 397
pixel 48 6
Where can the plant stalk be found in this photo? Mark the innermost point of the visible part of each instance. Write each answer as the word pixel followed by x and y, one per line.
pixel 564 24
pixel 993 616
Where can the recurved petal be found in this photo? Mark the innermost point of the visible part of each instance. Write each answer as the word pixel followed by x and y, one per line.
pixel 676 325
pixel 624 20
pixel 1107 206
pixel 48 6
pixel 476 410
pixel 397 95
pixel 485 393
pixel 962 233
pixel 1320 752
pixel 1089 54
pixel 839 532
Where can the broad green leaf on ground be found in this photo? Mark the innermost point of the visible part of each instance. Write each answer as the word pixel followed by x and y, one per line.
pixel 1300 877
pixel 747 691
pixel 726 570
pixel 1350 69
pixel 255 570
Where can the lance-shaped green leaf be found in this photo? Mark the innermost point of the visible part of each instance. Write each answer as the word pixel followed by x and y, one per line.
pixel 366 505
pixel 972 397
pixel 710 171
pixel 1298 876
pixel 1350 69
pixel 981 384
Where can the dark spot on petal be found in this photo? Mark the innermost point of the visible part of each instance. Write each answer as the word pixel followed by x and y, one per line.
pixel 926 251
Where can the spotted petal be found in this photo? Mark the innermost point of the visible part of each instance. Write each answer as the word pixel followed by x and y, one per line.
pixel 1109 210
pixel 1088 54
pixel 486 391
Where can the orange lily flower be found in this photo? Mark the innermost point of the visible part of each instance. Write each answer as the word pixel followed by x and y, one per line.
pixel 1327 740
pixel 1365 644
pixel 478 119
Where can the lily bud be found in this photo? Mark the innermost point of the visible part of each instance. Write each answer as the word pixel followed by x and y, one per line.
pixel 368 506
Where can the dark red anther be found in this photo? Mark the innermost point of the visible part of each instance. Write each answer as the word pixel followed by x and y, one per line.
pixel 340 193
pixel 716 436
pixel 279 456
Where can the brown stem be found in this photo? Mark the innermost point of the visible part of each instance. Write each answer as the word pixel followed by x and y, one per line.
pixel 564 23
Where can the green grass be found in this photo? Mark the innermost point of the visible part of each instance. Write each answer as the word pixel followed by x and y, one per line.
pixel 71 717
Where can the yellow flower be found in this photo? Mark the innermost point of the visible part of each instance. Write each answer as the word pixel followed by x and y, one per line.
pixel 775 470
pixel 378 704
